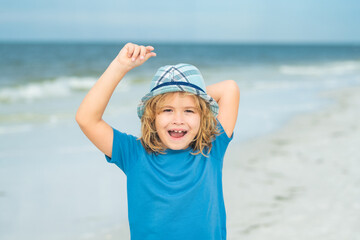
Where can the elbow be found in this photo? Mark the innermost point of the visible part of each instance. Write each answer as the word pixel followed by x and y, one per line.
pixel 79 118
pixel 85 120
pixel 233 87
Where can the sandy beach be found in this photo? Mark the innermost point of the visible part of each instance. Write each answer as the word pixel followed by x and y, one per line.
pixel 301 182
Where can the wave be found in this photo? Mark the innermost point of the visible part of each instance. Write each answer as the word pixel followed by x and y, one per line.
pixel 334 69
pixel 58 88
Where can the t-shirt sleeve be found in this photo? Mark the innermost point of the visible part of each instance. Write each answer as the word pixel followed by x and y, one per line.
pixel 124 150
pixel 221 142
pixel 222 134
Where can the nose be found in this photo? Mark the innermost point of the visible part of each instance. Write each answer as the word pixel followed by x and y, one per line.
pixel 178 117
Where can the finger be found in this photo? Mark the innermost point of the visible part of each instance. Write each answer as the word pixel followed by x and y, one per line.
pixel 136 53
pixel 149 55
pixel 130 48
pixel 142 52
pixel 149 48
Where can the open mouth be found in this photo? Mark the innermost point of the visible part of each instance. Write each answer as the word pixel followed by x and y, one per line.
pixel 176 133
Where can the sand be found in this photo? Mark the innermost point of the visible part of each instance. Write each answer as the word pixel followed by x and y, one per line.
pixel 302 182
pixel 299 183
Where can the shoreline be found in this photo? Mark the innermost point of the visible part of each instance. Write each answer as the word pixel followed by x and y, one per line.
pixel 301 181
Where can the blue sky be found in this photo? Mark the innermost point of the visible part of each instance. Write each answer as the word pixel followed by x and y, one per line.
pixel 334 21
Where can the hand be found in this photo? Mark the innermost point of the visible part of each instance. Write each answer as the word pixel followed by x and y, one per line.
pixel 133 55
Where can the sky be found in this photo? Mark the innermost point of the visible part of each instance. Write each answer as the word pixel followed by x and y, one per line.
pixel 250 21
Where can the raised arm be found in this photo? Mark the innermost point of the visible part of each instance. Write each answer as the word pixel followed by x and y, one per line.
pixel 227 95
pixel 89 114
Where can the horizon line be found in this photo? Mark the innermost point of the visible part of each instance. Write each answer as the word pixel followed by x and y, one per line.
pixel 170 42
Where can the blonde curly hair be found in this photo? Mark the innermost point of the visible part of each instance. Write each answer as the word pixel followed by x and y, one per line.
pixel 203 139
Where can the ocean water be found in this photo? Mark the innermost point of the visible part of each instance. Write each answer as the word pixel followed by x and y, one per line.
pixel 55 185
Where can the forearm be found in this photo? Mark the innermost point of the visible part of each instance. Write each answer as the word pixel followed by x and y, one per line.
pixel 94 104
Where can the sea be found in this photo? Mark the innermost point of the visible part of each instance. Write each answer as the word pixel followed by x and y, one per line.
pixel 54 184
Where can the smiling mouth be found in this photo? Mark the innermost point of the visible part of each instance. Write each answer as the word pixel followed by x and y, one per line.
pixel 177 134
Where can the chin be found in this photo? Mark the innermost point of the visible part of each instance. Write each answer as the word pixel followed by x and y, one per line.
pixel 178 147
pixel 173 146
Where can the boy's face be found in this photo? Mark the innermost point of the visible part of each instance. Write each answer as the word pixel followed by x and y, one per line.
pixel 178 121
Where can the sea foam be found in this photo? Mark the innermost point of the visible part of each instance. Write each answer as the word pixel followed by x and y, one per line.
pixel 58 88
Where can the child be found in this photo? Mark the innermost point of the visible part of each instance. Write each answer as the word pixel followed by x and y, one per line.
pixel 174 170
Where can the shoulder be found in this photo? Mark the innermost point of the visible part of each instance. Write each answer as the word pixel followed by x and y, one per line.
pixel 119 133
pixel 221 140
pixel 125 149
pixel 222 134
pixel 126 141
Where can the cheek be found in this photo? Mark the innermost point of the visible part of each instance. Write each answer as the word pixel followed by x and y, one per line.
pixel 195 123
pixel 157 125
pixel 160 122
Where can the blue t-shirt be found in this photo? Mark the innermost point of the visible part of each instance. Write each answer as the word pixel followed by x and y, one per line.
pixel 173 196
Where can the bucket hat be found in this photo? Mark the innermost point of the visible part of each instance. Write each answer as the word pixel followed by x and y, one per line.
pixel 178 78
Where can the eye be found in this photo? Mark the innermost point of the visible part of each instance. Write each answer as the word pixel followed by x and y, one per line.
pixel 189 111
pixel 167 110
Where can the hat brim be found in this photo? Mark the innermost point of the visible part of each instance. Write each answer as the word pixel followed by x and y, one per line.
pixel 214 107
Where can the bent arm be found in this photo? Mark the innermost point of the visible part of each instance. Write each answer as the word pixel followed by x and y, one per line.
pixel 92 108
pixel 227 95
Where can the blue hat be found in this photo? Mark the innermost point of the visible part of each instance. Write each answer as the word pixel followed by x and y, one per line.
pixel 178 78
